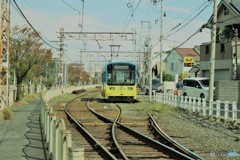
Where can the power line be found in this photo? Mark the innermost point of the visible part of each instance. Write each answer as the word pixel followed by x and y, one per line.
pixel 22 14
pixel 45 21
pixel 71 6
pixel 192 13
pixel 199 30
pixel 187 39
pixel 133 12
pixel 188 21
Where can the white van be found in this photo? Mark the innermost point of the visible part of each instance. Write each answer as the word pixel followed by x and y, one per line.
pixel 196 87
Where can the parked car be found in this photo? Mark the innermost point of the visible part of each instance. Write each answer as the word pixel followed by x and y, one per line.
pixel 196 87
pixel 155 86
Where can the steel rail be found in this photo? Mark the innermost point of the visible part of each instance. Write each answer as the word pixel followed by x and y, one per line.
pixel 114 125
pixel 91 139
pixel 156 144
pixel 174 144
pixel 166 149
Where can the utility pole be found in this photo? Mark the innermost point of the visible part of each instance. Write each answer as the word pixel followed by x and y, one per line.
pixel 8 49
pixel 213 51
pixel 62 53
pixel 149 50
pixel 161 44
pixel 4 47
pixel 1 45
pixel 236 55
pixel 81 66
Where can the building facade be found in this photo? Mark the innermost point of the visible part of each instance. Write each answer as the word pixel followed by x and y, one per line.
pixel 180 60
pixel 227 56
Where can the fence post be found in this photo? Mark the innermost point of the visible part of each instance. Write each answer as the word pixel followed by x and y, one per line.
pixel 181 102
pixel 51 134
pixel 172 100
pixel 198 104
pixel 167 102
pixel 65 134
pixel 204 107
pixel 189 103
pixel 210 109
pixel 154 95
pixel 76 153
pixel 175 101
pixel 164 95
pixel 48 125
pixel 45 122
pixel 226 109
pixel 185 102
pixel 234 112
pixel 194 104
pixel 218 110
pixel 160 96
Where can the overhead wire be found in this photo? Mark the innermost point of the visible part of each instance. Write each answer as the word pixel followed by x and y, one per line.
pixel 79 12
pixel 133 13
pixel 46 22
pixel 192 13
pixel 188 21
pixel 70 6
pixel 38 34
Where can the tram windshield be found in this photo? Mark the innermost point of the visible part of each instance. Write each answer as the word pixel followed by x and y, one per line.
pixel 121 74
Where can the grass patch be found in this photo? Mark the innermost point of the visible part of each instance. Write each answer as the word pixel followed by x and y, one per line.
pixel 65 97
pixel 7 113
pixel 163 109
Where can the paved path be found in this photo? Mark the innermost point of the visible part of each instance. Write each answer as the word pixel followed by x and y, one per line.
pixel 21 137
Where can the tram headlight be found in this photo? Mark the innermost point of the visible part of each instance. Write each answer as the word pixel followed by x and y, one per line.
pixel 130 88
pixel 112 88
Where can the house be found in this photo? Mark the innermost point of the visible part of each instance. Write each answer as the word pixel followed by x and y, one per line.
pixel 181 60
pixel 157 66
pixel 227 56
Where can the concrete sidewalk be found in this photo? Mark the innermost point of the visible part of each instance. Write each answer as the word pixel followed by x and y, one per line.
pixel 21 137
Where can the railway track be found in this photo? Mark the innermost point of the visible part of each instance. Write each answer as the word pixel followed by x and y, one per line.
pixel 93 131
pixel 149 127
pixel 109 139
pixel 135 117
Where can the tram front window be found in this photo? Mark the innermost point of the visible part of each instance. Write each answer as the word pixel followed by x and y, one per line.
pixel 121 76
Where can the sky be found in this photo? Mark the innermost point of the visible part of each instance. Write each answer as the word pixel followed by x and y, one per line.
pixel 183 18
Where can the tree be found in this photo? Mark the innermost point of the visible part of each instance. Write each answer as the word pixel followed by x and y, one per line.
pixel 76 74
pixel 167 77
pixel 27 56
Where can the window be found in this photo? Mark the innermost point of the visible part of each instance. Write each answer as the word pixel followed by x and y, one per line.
pixel 207 49
pixel 121 74
pixel 222 48
pixel 189 83
pixel 173 67
pixel 196 85
pixel 226 11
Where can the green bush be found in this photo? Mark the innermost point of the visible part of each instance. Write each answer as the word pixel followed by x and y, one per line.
pixel 7 113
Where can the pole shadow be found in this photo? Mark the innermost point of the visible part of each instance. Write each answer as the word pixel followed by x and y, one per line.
pixel 35 149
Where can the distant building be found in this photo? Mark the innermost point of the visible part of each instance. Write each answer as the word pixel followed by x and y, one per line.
pixel 227 56
pixel 157 66
pixel 181 60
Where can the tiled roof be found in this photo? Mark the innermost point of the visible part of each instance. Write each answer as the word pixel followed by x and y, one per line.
pixel 184 52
